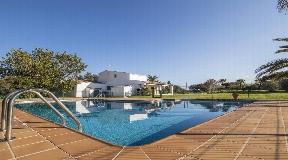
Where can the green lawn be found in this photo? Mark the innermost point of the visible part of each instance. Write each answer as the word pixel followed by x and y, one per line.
pixel 244 96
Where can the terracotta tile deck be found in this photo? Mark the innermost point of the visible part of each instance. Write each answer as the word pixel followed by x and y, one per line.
pixel 256 131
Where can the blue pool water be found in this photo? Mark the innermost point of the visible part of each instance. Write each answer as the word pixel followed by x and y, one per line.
pixel 133 123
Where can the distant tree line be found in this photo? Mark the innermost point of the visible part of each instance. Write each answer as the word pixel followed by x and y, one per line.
pixel 211 85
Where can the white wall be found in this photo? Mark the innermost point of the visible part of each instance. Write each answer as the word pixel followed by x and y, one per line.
pixel 127 106
pixel 122 79
pixel 83 88
pixel 128 90
pixel 136 117
pixel 120 91
pixel 108 78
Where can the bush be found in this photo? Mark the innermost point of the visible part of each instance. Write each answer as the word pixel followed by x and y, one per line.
pixel 271 86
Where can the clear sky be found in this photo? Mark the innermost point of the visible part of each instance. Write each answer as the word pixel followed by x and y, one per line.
pixel 177 40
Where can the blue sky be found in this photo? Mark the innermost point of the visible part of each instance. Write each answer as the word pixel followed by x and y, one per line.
pixel 177 40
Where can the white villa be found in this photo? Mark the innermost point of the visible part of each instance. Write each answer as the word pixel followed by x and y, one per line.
pixel 117 84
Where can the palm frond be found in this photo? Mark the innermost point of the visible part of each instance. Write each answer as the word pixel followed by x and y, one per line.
pixel 271 67
pixel 280 75
pixel 284 46
pixel 282 50
pixel 281 39
pixel 282 5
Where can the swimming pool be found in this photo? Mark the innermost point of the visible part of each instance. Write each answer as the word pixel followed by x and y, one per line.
pixel 134 123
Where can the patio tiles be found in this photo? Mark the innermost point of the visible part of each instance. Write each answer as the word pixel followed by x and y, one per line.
pixel 253 132
pixel 132 153
pixel 66 138
pixel 5 150
pixel 27 118
pixel 270 137
pixel 243 157
pixel 47 155
pixel 209 129
pixel 18 142
pixel 172 144
pixel 264 153
pixel 243 130
pixel 107 153
pixel 6 154
pixel 158 153
pixel 205 152
pixel 50 132
pixel 24 132
pixel 197 137
pixel 43 125
pixel 276 143
pixel 189 158
pixel 85 146
pixel 3 145
pixel 32 148
pixel 241 139
pixel 17 124
pixel 224 145
pixel 269 130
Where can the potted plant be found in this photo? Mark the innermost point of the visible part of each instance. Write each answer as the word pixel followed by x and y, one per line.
pixel 235 95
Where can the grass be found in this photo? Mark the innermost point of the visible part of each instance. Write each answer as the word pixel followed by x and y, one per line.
pixel 227 95
pixel 244 96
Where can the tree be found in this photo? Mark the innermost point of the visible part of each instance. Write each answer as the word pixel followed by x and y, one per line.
pixel 210 85
pixel 146 91
pixel 240 82
pixel 152 78
pixel 197 88
pixel 275 70
pixel 178 89
pixel 284 84
pixel 91 77
pixel 224 83
pixel 282 5
pixel 80 77
pixel 260 82
pixel 5 85
pixel 95 78
pixel 270 86
pixel 165 90
pixel 41 69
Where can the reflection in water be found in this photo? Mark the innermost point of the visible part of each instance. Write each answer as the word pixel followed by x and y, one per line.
pixel 219 106
pixel 135 122
pixel 125 112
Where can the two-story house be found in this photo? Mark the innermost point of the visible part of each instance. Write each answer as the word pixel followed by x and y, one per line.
pixel 115 84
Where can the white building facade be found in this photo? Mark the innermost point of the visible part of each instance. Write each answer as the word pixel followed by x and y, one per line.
pixel 112 83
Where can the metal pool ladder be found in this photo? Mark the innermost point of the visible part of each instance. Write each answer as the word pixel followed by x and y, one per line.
pixel 7 109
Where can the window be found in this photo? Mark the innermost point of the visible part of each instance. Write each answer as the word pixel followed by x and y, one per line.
pixel 108 88
pixel 115 75
pixel 139 85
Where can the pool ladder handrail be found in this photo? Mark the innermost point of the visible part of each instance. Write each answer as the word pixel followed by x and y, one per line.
pixel 7 114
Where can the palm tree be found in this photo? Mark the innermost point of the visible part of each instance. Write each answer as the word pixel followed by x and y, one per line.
pixel 152 78
pixel 275 70
pixel 282 5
